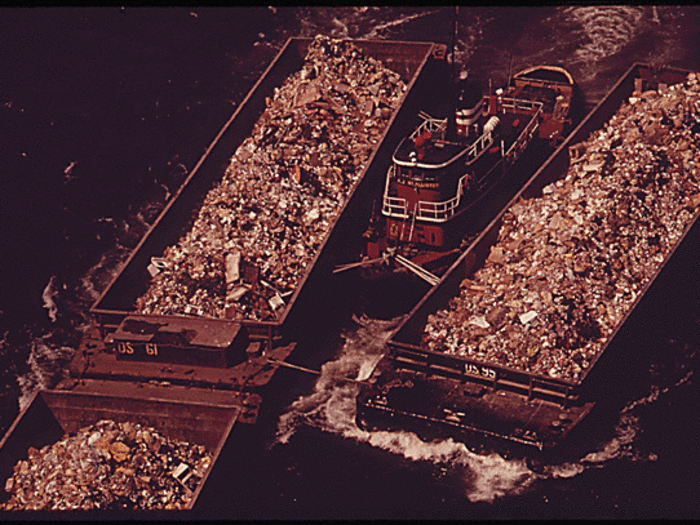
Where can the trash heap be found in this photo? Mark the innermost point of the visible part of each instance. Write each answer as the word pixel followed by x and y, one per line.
pixel 568 265
pixel 261 226
pixel 108 466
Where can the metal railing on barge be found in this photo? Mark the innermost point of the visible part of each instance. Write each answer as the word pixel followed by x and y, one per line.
pixel 490 375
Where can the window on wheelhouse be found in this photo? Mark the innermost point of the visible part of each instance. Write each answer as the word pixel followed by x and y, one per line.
pixel 409 173
pixel 415 174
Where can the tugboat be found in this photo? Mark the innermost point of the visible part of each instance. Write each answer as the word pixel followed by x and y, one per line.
pixel 446 166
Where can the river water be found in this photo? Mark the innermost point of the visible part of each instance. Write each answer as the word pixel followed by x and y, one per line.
pixel 104 111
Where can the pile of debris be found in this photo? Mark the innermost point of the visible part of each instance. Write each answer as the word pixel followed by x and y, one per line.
pixel 262 225
pixel 568 265
pixel 108 466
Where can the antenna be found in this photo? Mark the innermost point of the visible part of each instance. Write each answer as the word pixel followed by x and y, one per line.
pixel 454 40
pixel 510 64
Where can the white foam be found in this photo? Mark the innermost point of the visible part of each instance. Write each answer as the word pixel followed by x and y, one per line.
pixel 331 407
pixel 110 261
pixel 167 191
pixel 48 295
pixel 379 29
pixel 606 29
pixel 486 477
pixel 46 364
pixel 69 172
pixel 564 470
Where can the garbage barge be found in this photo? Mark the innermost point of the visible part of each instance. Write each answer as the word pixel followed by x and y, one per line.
pixel 289 178
pixel 545 314
pixel 147 388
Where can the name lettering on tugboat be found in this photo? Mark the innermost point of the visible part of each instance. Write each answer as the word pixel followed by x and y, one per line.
pixel 417 183
pixel 471 368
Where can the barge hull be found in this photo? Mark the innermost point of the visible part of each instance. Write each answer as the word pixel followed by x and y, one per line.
pixel 192 378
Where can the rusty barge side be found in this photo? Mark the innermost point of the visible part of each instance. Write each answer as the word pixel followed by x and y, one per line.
pixel 50 415
pixel 440 394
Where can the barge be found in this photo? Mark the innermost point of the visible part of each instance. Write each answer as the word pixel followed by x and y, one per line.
pixel 416 63
pixel 193 376
pixel 527 398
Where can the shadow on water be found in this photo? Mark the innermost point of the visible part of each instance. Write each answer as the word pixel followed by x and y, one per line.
pixel 103 121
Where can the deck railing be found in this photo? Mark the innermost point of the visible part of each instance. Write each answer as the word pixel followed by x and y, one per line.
pixel 429 211
pixel 396 207
pixel 431 125
pixel 441 211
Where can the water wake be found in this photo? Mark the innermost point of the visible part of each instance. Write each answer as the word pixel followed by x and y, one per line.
pixel 606 30
pixel 46 363
pixel 48 351
pixel 331 408
pixel 101 273
pixel 48 296
pixel 379 29
pixel 360 21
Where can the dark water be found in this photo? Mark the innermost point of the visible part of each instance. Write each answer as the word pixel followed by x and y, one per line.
pixel 103 113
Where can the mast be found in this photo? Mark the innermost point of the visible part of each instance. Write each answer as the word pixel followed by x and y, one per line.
pixel 454 40
pixel 510 65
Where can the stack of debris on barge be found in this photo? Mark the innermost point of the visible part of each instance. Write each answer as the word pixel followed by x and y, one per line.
pixel 108 466
pixel 200 351
pixel 568 265
pixel 261 226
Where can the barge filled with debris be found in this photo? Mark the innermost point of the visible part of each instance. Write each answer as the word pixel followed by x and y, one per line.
pixel 193 327
pixel 455 160
pixel 250 234
pixel 532 326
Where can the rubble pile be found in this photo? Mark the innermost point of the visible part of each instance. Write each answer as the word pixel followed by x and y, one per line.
pixel 108 466
pixel 568 265
pixel 262 225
